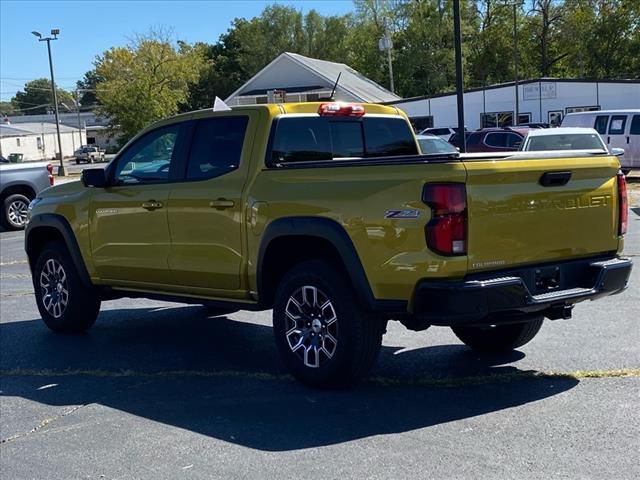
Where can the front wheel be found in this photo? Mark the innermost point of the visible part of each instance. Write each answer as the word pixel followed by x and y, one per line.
pixel 65 303
pixel 498 338
pixel 323 336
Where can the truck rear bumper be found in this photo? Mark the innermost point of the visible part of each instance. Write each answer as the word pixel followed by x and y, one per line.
pixel 517 294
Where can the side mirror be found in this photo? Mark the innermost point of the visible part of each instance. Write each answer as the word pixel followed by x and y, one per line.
pixel 618 152
pixel 94 177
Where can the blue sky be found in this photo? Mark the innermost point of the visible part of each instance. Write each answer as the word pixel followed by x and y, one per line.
pixel 87 28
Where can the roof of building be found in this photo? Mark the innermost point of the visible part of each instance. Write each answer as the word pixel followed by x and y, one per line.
pixel 33 128
pixel 351 81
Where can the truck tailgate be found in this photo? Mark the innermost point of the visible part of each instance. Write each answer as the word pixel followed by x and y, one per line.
pixel 515 220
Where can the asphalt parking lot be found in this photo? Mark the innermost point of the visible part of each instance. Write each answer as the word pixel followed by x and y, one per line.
pixel 160 390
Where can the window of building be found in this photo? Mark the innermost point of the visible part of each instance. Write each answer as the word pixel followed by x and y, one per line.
pixel 496 119
pixel 592 108
pixel 420 123
pixel 216 147
pixel 524 118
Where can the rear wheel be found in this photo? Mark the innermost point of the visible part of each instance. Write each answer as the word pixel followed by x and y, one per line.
pixel 323 336
pixel 499 338
pixel 15 208
pixel 65 303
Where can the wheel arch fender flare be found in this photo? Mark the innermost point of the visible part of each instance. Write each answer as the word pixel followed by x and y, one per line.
pixel 325 229
pixel 39 223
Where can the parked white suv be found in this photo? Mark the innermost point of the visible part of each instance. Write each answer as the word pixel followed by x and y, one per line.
pixel 443 132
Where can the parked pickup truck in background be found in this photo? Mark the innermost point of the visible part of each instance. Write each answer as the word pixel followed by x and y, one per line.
pixel 327 214
pixel 89 154
pixel 19 184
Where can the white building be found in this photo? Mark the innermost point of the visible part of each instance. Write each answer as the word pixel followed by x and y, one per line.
pixel 38 141
pixel 541 100
pixel 295 78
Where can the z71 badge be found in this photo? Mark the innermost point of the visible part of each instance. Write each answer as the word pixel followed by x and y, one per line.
pixel 409 213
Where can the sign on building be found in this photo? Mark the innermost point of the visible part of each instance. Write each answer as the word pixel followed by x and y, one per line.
pixel 531 91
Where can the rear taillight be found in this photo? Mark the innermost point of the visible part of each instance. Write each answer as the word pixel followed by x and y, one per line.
pixel 623 206
pixel 50 170
pixel 338 109
pixel 446 232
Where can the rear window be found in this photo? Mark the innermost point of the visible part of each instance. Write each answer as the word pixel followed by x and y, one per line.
pixel 572 141
pixel 300 139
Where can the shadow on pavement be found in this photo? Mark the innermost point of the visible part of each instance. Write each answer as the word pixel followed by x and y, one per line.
pixel 250 403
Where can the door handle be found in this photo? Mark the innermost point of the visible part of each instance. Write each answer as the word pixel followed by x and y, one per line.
pixel 608 139
pixel 221 203
pixel 152 205
pixel 627 139
pixel 555 179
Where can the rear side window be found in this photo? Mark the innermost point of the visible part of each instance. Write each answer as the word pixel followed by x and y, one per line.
pixel 496 140
pixel 513 140
pixel 300 139
pixel 601 123
pixel 216 147
pixel 635 125
pixel 617 125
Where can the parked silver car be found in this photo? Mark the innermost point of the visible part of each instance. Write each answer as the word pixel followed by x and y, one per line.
pixel 19 184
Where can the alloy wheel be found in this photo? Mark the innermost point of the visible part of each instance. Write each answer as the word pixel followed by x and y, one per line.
pixel 54 288
pixel 311 326
pixel 17 213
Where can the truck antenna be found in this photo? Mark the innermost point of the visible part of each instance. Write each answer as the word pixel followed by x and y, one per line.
pixel 335 85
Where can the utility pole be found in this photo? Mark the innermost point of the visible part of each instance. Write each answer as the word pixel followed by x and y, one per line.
pixel 62 171
pixel 459 86
pixel 385 43
pixel 78 112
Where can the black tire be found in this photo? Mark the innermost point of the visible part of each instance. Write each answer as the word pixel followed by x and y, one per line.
pixel 500 338
pixel 77 162
pixel 358 336
pixel 82 307
pixel 14 211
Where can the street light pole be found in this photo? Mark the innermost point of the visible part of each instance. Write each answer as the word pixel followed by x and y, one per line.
pixel 457 41
pixel 62 171
pixel 515 60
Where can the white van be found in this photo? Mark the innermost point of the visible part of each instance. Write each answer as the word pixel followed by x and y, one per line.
pixel 618 129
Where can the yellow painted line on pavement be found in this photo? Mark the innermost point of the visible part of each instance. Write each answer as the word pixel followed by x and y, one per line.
pixel 385 381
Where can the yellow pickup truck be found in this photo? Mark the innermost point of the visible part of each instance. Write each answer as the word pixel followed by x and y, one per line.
pixel 328 214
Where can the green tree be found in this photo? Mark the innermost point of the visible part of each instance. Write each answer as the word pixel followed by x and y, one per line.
pixel 87 88
pixel 37 98
pixel 7 108
pixel 145 81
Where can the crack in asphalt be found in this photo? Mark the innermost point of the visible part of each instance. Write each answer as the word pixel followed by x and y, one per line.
pixel 41 425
